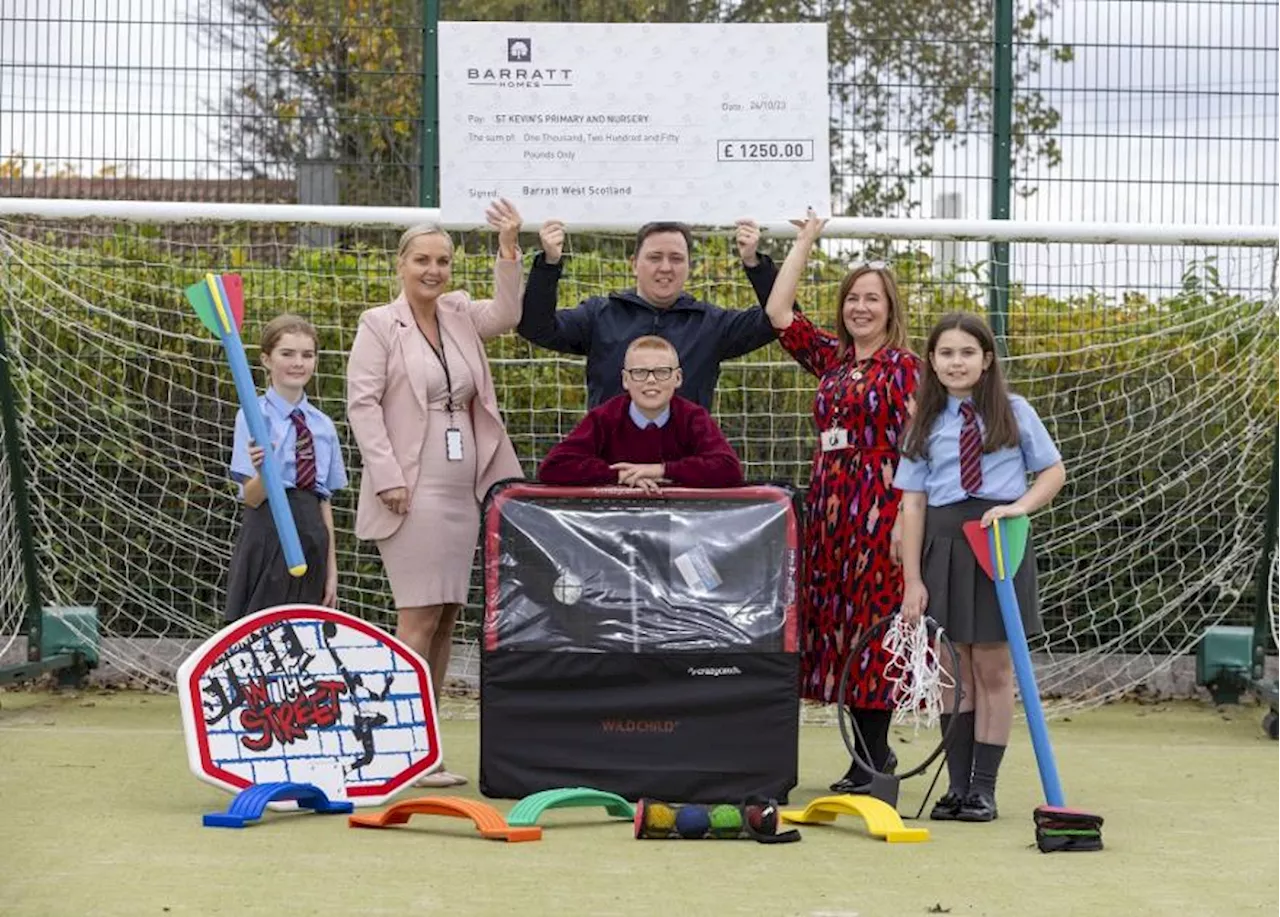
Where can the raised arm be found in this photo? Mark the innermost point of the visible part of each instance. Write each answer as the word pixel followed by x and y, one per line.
pixel 762 273
pixel 783 294
pixel 813 348
pixel 745 330
pixel 497 316
pixel 563 330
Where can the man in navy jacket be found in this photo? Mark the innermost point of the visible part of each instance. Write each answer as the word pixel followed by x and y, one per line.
pixel 601 328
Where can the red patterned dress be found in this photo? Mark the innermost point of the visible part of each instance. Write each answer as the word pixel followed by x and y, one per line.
pixel 849 581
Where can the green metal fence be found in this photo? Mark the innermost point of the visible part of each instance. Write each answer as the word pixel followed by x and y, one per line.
pixel 1121 110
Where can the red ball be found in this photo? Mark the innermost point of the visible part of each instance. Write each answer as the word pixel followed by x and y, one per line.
pixel 763 819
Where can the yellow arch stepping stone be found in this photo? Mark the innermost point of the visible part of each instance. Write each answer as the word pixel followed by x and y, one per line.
pixel 881 818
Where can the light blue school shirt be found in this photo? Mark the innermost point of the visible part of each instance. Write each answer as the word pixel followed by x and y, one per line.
pixel 1004 472
pixel 642 422
pixel 331 474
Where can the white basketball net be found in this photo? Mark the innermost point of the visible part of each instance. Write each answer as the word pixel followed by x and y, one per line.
pixel 916 672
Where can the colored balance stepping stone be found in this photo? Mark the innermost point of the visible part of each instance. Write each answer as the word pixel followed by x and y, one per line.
pixel 882 819
pixel 528 810
pixel 251 802
pixel 488 821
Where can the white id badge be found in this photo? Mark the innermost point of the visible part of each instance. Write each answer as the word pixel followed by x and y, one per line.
pixel 834 439
pixel 453 444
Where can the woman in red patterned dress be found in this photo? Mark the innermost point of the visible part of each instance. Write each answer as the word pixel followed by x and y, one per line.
pixel 866 387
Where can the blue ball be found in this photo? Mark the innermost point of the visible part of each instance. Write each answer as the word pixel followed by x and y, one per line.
pixel 693 822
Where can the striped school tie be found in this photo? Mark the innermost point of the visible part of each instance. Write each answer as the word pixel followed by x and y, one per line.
pixel 304 452
pixel 970 450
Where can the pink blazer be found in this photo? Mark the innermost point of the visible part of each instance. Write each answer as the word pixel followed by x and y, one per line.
pixel 386 404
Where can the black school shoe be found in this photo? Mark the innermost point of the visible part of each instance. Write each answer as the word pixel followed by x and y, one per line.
pixel 850 783
pixel 978 806
pixel 947 808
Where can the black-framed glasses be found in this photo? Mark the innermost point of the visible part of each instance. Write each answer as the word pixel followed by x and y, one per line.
pixel 660 373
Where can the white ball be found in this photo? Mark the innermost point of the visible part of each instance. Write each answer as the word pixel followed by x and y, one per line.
pixel 567 589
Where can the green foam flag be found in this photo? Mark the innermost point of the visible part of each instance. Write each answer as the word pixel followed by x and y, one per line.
pixel 1015 530
pixel 202 302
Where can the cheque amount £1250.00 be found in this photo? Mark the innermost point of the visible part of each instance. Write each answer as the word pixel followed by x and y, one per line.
pixel 764 150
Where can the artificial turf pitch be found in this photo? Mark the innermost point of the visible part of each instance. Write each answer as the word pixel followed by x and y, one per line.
pixel 99 815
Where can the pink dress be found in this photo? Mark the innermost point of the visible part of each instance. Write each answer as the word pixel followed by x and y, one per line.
pixel 428 559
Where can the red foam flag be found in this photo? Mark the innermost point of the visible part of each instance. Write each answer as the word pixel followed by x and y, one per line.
pixel 234 285
pixel 976 535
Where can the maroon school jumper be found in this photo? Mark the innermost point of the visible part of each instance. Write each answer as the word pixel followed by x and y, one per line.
pixel 695 452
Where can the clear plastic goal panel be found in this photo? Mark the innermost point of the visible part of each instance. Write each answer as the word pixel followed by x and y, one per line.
pixel 641 644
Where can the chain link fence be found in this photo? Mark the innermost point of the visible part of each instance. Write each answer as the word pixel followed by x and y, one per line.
pixel 1123 110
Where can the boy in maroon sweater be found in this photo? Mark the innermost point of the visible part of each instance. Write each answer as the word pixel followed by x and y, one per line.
pixel 647 436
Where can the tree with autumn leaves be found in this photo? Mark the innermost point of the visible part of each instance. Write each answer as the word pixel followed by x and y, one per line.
pixel 340 80
pixel 17 166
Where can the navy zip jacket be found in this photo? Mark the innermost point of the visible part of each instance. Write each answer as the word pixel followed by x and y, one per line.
pixel 600 328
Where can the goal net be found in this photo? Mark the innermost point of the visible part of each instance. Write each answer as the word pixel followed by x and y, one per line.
pixel 1153 363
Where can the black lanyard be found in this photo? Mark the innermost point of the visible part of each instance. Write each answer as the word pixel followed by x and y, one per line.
pixel 444 362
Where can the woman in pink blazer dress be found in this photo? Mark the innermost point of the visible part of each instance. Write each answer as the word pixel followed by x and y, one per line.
pixel 422 407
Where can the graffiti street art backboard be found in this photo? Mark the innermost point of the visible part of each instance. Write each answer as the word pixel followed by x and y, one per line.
pixel 311 695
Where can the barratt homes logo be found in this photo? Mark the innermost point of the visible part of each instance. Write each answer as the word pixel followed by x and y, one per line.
pixel 519 50
pixel 522 76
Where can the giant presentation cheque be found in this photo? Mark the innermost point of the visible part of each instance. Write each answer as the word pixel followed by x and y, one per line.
pixel 620 124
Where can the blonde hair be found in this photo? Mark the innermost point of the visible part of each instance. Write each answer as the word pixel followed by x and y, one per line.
pixel 414 232
pixel 281 325
pixel 652 342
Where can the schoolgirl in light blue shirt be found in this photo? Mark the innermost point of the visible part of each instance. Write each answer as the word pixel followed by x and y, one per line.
pixel 331 473
pixel 1004 471
pixel 968 451
pixel 306 447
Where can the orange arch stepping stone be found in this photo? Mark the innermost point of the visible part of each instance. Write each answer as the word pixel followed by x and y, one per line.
pixel 487 820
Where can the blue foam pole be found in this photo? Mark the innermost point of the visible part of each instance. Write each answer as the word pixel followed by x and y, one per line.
pixel 1021 653
pixel 248 393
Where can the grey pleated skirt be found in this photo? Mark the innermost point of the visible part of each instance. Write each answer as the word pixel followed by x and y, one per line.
pixel 962 598
pixel 258 577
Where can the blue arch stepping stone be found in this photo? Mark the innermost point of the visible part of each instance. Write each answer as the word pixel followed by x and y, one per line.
pixel 251 802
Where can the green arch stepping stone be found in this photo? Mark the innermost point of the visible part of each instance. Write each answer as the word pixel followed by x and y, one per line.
pixel 527 811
